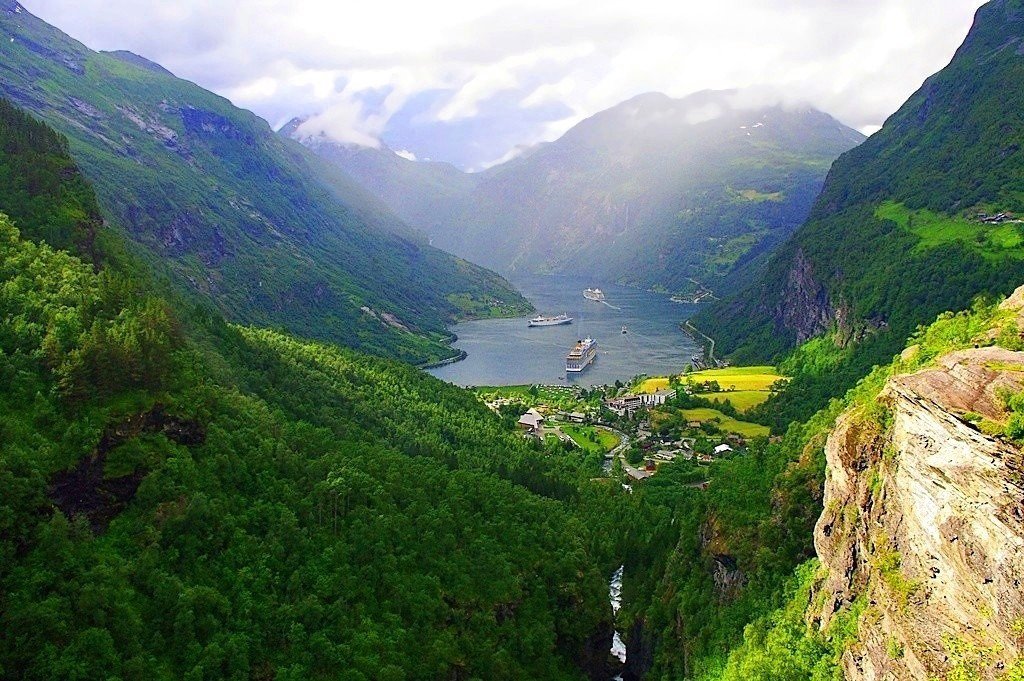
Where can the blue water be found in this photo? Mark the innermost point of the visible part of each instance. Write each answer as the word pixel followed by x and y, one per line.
pixel 507 352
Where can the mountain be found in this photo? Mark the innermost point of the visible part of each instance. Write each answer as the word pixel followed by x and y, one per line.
pixel 258 224
pixel 910 548
pixel 188 498
pixel 653 192
pixel 900 231
pixel 426 194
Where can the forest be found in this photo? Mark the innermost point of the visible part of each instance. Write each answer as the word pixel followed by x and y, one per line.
pixel 187 498
pixel 190 498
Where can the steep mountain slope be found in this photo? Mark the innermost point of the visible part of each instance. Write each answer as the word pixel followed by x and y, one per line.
pixel 255 222
pixel 42 189
pixel 652 192
pixel 187 498
pixel 426 194
pixel 897 234
pixel 920 541
pixel 923 520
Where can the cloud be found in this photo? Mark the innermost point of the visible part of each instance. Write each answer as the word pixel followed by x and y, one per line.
pixel 701 114
pixel 405 153
pixel 345 124
pixel 468 80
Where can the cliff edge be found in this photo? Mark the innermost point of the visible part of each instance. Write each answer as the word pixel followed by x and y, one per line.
pixel 922 531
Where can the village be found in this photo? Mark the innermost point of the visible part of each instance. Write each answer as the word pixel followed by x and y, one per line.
pixel 639 427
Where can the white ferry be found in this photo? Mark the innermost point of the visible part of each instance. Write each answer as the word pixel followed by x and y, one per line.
pixel 593 294
pixel 541 320
pixel 581 355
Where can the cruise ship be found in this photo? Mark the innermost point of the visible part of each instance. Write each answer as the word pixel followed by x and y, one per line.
pixel 541 320
pixel 593 294
pixel 581 355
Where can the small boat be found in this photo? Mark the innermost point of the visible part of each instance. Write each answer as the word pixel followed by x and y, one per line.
pixel 594 294
pixel 541 320
pixel 624 331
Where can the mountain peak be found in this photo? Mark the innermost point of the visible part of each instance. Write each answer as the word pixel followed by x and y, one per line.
pixel 648 99
pixel 291 128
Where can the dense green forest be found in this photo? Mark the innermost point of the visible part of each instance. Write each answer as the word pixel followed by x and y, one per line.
pixel 894 238
pixel 728 551
pixel 209 196
pixel 187 498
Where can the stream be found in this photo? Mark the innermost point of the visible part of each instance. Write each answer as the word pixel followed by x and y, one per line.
pixel 618 648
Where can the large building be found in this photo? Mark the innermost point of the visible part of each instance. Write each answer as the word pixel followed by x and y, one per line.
pixel 627 404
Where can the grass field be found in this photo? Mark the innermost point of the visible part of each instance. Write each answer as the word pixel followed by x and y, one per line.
pixel 936 229
pixel 726 423
pixel 603 440
pixel 741 399
pixel 651 385
pixel 754 378
pixel 737 378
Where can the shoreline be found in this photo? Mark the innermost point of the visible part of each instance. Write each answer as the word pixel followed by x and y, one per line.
pixel 696 334
pixel 444 362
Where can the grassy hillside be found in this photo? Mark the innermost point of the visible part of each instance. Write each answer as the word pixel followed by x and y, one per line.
pixel 256 223
pixel 895 237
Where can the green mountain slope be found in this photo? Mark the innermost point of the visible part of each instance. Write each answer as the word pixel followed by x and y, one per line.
pixel 187 498
pixel 896 235
pixel 265 229
pixel 41 188
pixel 653 192
pixel 426 194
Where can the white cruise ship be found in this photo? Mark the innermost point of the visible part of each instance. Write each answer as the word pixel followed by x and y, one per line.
pixel 581 355
pixel 541 320
pixel 593 294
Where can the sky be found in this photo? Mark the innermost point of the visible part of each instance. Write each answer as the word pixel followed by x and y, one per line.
pixel 473 82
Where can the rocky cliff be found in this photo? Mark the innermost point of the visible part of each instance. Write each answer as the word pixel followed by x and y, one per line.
pixel 923 526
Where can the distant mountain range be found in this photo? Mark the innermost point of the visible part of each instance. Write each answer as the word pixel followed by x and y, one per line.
pixel 655 192
pixel 255 222
pixel 900 232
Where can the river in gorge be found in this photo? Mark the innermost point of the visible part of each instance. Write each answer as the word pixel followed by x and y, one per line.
pixel 618 649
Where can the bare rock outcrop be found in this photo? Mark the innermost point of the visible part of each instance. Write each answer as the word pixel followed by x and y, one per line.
pixel 923 526
pixel 806 308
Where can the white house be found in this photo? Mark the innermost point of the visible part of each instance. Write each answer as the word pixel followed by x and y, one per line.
pixel 532 421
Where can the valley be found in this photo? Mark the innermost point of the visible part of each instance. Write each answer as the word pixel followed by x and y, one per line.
pixel 265 414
